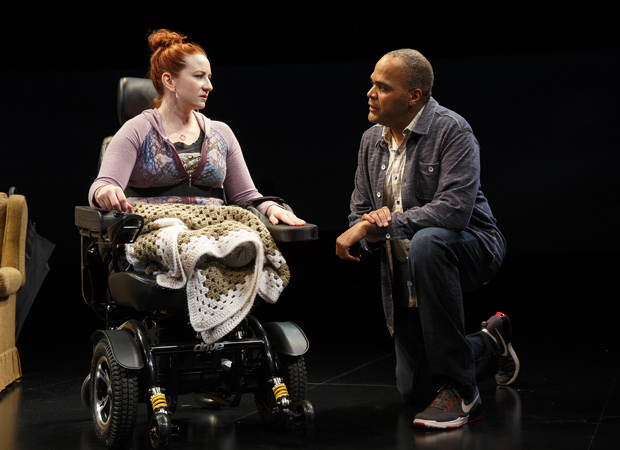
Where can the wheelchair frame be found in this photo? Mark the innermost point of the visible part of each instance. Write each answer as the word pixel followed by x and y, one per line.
pixel 153 356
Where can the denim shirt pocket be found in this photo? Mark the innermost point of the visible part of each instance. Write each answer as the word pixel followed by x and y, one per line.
pixel 427 180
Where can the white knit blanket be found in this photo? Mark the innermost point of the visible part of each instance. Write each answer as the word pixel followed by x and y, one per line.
pixel 187 245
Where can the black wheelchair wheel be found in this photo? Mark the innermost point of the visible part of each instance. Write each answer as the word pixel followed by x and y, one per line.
pixel 114 397
pixel 160 430
pixel 295 378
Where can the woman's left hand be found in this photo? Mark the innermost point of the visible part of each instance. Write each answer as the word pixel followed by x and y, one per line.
pixel 277 214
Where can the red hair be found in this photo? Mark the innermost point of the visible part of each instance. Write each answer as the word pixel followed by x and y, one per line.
pixel 168 52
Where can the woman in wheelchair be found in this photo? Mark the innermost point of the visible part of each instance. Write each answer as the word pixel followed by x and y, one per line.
pixel 163 161
pixel 174 146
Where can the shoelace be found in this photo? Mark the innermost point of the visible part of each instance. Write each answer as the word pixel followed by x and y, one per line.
pixel 444 400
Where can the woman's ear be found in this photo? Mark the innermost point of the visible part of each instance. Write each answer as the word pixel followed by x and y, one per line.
pixel 168 82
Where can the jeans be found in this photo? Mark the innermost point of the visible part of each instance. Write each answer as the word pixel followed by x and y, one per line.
pixel 432 348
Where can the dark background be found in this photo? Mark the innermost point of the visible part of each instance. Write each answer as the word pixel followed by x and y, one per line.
pixel 538 84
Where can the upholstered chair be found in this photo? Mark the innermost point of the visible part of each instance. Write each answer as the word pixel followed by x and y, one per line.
pixel 13 229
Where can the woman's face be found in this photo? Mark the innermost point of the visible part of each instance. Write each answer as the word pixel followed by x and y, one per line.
pixel 193 84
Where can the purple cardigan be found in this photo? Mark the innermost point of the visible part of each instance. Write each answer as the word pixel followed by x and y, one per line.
pixel 141 155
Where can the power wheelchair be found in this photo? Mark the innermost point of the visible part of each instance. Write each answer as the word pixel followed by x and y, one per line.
pixel 148 352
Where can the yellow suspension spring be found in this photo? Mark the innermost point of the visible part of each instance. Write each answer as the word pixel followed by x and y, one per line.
pixel 158 400
pixel 279 390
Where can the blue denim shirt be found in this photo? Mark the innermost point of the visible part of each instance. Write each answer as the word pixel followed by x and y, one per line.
pixel 440 187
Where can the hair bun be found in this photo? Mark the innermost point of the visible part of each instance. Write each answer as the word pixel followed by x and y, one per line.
pixel 164 39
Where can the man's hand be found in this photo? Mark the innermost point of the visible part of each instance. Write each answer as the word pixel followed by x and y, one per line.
pixel 381 217
pixel 353 235
pixel 366 228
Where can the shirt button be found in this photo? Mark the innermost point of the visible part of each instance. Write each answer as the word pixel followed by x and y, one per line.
pixel 383 167
pixel 387 236
pixel 430 169
pixel 378 194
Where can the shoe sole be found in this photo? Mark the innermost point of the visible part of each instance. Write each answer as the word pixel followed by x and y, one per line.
pixel 514 356
pixel 451 425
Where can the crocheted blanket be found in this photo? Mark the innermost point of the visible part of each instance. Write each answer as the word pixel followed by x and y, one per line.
pixel 188 245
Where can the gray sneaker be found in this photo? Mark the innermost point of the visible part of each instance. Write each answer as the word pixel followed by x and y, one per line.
pixel 449 411
pixel 500 330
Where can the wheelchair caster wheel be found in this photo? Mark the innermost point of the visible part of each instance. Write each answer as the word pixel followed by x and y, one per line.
pixel 160 430
pixel 205 402
pixel 302 419
pixel 86 392
pixel 308 412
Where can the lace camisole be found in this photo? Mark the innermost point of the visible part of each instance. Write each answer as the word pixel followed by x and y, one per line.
pixel 190 153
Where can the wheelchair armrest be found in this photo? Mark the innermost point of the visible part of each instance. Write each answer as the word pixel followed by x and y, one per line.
pixel 96 222
pixel 288 233
pixel 93 220
pixel 118 228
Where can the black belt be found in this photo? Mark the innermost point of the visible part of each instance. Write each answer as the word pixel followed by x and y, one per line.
pixel 180 190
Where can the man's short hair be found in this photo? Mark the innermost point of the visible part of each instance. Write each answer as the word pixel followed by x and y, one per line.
pixel 417 71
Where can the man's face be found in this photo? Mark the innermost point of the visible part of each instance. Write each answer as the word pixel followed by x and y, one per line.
pixel 388 100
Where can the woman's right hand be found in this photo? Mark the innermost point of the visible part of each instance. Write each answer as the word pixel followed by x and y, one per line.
pixel 110 197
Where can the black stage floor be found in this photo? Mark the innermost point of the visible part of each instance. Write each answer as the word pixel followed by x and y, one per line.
pixel 566 397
